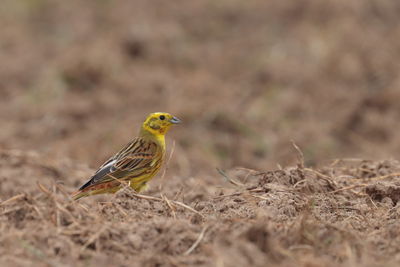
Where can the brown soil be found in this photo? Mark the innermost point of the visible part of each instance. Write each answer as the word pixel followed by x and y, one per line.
pixel 246 77
pixel 344 214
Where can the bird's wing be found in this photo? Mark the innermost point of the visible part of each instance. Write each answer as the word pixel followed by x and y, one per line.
pixel 133 160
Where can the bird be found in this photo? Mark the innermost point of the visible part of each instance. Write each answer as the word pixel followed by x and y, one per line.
pixel 136 163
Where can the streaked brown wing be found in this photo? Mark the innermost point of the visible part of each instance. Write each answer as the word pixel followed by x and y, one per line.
pixel 133 160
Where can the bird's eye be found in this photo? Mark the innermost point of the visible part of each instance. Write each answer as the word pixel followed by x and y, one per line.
pixel 162 117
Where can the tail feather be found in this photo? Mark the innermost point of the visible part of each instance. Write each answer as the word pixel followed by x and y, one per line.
pixel 79 194
pixel 95 190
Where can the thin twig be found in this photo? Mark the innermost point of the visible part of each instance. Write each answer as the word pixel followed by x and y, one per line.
pixel 12 199
pixel 166 166
pixel 94 237
pixel 300 155
pixel 373 203
pixel 57 211
pixel 366 170
pixel 173 202
pixel 195 244
pixel 145 197
pixel 249 172
pixel 56 201
pixel 186 207
pixel 360 194
pixel 258 189
pixel 11 210
pixel 230 195
pixel 299 182
pixel 169 205
pixel 326 178
pixel 335 162
pixel 120 209
pixel 236 183
pixel 377 178
pixel 348 188
pixel 279 166
pixel 178 193
pixel 349 159
pixel 246 169
pixel 44 189
pixel 260 197
pixel 62 189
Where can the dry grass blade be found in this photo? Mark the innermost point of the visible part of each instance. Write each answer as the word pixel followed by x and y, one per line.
pixel 151 198
pixel 260 197
pixel 377 178
pixel 236 183
pixel 348 160
pixel 57 203
pixel 249 172
pixel 11 210
pixel 247 169
pixel 335 162
pixel 81 206
pixel 172 202
pixel 166 166
pixel 229 195
pixel 326 178
pixel 120 209
pixel 169 205
pixel 195 244
pixel 62 189
pixel 348 188
pixel 178 203
pixel 12 199
pixel 299 183
pixel 360 194
pixel 94 237
pixel 44 189
pixel 300 155
pixel 247 191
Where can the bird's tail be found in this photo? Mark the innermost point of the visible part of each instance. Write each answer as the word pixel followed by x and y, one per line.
pixel 78 194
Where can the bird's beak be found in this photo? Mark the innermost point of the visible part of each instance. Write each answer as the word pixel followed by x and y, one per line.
pixel 175 120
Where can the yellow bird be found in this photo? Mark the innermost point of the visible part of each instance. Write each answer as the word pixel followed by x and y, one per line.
pixel 136 163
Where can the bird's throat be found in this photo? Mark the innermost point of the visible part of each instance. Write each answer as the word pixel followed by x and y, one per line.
pixel 154 136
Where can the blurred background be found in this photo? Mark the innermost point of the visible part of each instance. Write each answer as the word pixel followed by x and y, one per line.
pixel 77 78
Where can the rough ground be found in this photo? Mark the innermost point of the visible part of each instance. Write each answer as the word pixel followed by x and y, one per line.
pixel 246 77
pixel 345 214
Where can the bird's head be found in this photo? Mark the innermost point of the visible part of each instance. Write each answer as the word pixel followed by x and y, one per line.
pixel 158 123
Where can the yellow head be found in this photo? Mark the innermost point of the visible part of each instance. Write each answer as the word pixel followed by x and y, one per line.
pixel 158 124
